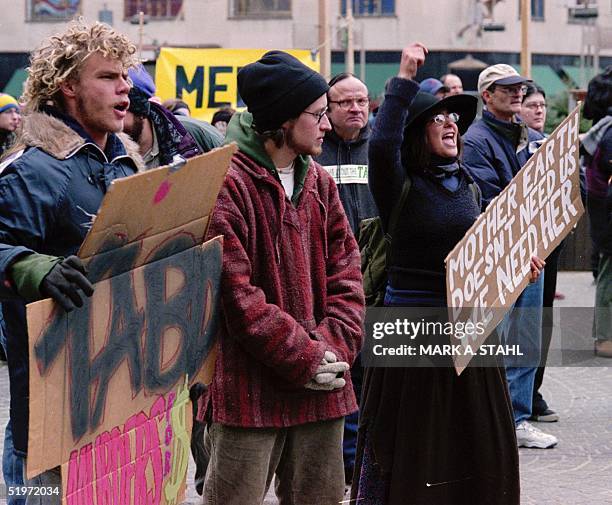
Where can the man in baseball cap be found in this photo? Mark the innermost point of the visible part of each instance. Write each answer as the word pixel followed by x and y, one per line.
pixel 495 149
pixel 501 75
pixel 293 302
pixel 433 87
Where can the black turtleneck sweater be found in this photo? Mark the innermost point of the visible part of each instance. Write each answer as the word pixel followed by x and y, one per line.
pixel 440 207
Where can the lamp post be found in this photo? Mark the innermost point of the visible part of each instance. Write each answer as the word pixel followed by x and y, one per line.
pixel 324 42
pixel 349 57
pixel 525 51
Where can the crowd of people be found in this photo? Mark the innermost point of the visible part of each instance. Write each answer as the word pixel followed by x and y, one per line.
pixel 290 400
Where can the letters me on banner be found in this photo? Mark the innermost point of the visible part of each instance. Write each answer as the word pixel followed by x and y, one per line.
pixel 487 271
pixel 109 399
pixel 206 79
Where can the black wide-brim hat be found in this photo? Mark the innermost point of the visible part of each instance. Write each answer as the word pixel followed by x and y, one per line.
pixel 426 105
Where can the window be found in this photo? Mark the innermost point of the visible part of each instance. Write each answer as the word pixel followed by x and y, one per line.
pixel 52 10
pixel 537 10
pixel 260 8
pixel 371 7
pixel 154 9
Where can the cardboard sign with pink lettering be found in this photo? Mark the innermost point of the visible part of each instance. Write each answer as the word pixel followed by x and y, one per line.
pixel 109 382
pixel 489 268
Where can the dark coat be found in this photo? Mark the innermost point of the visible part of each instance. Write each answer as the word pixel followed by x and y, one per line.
pixel 599 182
pixel 50 190
pixel 339 157
pixel 491 158
pixel 291 289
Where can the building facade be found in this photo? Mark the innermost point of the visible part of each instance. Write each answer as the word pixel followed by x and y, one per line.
pixel 451 29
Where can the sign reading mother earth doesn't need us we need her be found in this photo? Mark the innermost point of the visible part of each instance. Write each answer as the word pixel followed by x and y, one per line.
pixel 489 268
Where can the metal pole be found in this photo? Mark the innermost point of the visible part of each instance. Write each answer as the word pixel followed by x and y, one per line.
pixel 349 58
pixel 140 33
pixel 596 48
pixel 582 82
pixel 525 52
pixel 324 42
pixel 362 54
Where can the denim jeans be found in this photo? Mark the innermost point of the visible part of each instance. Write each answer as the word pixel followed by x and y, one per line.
pixel 522 326
pixel 12 465
pixel 50 479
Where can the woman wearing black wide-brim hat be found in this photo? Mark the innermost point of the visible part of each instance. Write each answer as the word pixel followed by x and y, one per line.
pixel 427 435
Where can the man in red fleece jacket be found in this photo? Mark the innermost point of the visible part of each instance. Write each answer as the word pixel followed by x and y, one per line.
pixel 293 302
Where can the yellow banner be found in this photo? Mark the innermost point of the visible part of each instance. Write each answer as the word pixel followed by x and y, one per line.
pixel 205 79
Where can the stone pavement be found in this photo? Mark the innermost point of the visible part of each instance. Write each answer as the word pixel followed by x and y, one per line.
pixel 579 470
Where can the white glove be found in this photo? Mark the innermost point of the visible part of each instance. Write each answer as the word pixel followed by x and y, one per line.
pixel 326 377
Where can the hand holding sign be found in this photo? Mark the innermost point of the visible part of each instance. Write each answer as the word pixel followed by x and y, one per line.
pixel 536 266
pixel 66 283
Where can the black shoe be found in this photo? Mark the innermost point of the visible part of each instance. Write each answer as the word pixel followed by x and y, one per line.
pixel 547 416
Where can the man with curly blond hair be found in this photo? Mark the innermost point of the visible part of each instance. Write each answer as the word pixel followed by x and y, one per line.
pixel 52 184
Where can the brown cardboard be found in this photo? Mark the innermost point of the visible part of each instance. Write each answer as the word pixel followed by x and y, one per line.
pixel 489 268
pixel 108 382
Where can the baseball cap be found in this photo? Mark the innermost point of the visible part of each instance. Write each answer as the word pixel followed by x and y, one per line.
pixel 499 74
pixel 432 86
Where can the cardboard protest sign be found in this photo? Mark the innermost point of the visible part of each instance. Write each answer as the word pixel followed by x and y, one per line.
pixel 489 268
pixel 206 79
pixel 109 398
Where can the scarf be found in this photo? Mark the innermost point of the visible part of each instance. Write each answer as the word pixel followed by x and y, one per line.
pixel 444 171
pixel 168 137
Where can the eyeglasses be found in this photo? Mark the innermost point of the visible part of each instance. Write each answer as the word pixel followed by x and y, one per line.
pixel 512 90
pixel 362 103
pixel 318 115
pixel 440 119
pixel 535 105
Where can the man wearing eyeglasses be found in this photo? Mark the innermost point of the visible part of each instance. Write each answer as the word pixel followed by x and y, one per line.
pixel 293 303
pixel 345 157
pixel 345 148
pixel 495 148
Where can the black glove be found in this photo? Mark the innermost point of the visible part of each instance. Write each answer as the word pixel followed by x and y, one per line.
pixel 67 283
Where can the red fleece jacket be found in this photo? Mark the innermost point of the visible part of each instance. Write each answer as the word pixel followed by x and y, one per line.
pixel 291 289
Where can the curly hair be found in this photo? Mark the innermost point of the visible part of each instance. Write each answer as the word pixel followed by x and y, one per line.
pixel 60 57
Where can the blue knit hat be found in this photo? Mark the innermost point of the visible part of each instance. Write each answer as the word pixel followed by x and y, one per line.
pixel 142 80
pixel 8 102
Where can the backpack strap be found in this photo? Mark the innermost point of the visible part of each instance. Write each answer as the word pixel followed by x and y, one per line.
pixel 395 214
pixel 477 193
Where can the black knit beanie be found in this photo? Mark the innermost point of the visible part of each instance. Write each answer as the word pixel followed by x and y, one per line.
pixel 278 87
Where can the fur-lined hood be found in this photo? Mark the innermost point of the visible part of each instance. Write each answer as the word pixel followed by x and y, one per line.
pixel 54 137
